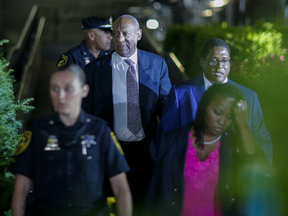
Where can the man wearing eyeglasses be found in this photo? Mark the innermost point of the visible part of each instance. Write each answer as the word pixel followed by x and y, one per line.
pixel 182 102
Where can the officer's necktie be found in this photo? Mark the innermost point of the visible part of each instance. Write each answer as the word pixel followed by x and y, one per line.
pixel 133 109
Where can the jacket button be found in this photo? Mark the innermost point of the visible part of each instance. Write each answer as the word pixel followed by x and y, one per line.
pixel 232 199
pixel 173 203
pixel 227 187
pixel 175 189
pixel 69 204
pixel 237 150
pixel 69 189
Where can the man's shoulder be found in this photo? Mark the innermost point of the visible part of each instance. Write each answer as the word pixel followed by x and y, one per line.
pixel 99 62
pixel 244 89
pixel 74 50
pixel 191 82
pixel 152 56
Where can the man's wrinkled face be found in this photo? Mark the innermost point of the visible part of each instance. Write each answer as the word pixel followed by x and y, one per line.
pixel 216 65
pixel 125 36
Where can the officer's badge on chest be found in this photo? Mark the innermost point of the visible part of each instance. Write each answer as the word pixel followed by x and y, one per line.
pixel 87 60
pixel 52 144
pixel 87 142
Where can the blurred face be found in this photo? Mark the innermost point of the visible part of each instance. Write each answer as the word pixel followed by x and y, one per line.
pixel 216 65
pixel 102 39
pixel 66 93
pixel 219 116
pixel 125 36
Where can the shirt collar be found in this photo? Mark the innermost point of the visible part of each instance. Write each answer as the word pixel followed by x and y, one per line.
pixel 120 59
pixel 82 118
pixel 208 84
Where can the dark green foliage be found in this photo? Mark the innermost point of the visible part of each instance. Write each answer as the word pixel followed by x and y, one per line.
pixel 9 127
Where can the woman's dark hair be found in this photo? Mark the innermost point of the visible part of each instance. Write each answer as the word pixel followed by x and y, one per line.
pixel 227 90
pixel 75 69
pixel 214 42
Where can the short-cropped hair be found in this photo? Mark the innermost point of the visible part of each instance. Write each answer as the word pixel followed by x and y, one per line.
pixel 214 42
pixel 75 69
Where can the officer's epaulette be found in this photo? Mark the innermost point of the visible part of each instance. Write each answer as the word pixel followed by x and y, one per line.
pixel 95 119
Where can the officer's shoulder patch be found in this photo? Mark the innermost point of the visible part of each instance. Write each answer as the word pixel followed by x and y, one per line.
pixel 24 143
pixel 117 144
pixel 62 61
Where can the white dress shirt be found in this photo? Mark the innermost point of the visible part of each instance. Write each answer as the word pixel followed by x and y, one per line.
pixel 119 70
pixel 208 84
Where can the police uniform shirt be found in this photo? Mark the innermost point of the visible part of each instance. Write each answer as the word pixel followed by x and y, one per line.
pixel 79 55
pixel 69 176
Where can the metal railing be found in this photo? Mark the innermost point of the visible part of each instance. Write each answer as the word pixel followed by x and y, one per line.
pixel 25 59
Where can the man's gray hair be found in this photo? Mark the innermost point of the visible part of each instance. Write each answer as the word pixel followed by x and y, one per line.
pixel 131 17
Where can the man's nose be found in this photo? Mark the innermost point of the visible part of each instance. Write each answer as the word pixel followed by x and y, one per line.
pixel 120 38
pixel 109 36
pixel 220 64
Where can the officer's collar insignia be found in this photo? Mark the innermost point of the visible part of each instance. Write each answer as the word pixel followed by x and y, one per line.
pixel 63 61
pixel 89 140
pixel 24 143
pixel 52 144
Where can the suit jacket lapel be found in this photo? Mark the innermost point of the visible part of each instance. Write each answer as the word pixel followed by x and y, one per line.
pixel 199 88
pixel 143 65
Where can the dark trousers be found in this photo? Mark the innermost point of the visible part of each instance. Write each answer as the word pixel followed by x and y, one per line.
pixel 141 164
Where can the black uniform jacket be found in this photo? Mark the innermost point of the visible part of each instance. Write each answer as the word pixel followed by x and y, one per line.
pixel 79 55
pixel 68 165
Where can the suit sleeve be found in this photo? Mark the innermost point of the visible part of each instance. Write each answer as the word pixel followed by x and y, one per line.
pixel 170 117
pixel 164 87
pixel 258 127
pixel 66 58
pixel 87 102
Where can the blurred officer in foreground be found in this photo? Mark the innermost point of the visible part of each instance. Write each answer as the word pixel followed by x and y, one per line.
pixel 96 43
pixel 68 156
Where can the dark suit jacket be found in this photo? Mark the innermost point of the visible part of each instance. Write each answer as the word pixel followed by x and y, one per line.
pixel 244 187
pixel 154 86
pixel 182 104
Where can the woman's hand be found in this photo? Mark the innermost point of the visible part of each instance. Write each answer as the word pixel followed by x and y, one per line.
pixel 241 114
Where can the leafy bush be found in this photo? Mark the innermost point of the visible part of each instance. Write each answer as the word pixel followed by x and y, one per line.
pixel 9 127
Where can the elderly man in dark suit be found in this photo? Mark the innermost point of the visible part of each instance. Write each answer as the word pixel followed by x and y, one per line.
pixel 182 102
pixel 128 90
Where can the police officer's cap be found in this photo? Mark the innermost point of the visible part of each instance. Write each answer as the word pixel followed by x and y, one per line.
pixel 97 22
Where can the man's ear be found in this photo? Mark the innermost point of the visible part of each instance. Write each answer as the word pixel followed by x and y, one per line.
pixel 91 35
pixel 85 91
pixel 202 60
pixel 139 34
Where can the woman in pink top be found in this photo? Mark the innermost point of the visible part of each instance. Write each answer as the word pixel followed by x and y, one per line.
pixel 194 173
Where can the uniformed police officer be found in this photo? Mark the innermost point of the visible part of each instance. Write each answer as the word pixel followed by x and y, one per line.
pixel 96 43
pixel 68 156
